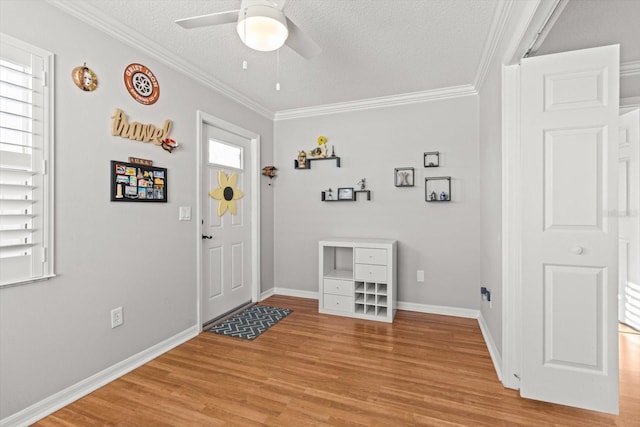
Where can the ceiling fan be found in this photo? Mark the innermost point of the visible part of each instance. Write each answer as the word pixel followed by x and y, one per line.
pixel 262 25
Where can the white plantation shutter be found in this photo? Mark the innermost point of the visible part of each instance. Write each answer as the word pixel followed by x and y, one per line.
pixel 26 178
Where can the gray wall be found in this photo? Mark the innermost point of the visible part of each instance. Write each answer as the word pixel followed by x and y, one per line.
pixel 56 333
pixel 443 239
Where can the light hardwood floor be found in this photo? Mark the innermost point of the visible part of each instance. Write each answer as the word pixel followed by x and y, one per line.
pixel 319 370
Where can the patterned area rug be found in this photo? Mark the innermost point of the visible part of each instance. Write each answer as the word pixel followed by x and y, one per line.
pixel 252 322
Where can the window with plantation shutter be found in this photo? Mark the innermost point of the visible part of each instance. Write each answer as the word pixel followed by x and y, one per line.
pixel 26 162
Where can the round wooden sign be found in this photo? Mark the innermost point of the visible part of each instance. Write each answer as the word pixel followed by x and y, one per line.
pixel 141 84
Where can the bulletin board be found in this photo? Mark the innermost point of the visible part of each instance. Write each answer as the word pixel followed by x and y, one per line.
pixel 131 182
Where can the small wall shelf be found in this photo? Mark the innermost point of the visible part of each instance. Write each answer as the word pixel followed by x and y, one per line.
pixel 432 159
pixel 309 160
pixel 323 196
pixel 437 189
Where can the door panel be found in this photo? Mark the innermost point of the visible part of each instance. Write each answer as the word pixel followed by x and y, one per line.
pixel 570 238
pixel 573 186
pixel 629 214
pixel 226 244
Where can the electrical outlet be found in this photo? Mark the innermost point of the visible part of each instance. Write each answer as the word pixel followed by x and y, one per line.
pixel 117 317
pixel 420 276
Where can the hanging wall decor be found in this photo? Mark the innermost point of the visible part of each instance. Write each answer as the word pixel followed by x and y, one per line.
pixel 404 177
pixel 84 78
pixel 142 132
pixel 226 193
pixel 134 182
pixel 141 84
pixel 269 172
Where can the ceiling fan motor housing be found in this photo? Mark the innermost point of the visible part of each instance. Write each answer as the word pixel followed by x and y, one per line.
pixel 261 25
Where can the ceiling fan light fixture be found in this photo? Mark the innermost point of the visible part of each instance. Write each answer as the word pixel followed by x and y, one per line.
pixel 265 28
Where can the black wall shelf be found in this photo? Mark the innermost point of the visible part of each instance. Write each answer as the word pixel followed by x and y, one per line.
pixel 437 189
pixel 309 160
pixel 355 196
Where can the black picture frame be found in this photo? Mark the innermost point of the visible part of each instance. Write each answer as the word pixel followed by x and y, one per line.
pixel 437 189
pixel 404 177
pixel 132 182
pixel 346 193
pixel 432 159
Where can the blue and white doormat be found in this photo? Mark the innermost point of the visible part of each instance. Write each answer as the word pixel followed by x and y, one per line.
pixel 252 322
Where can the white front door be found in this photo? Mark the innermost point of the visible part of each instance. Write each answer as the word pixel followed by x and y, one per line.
pixel 629 212
pixel 570 230
pixel 226 222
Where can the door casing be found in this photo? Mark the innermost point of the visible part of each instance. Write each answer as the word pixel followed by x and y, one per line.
pixel 202 119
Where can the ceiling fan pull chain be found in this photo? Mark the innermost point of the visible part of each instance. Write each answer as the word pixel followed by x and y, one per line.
pixel 278 69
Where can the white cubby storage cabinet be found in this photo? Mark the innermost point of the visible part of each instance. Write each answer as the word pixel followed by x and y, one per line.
pixel 357 278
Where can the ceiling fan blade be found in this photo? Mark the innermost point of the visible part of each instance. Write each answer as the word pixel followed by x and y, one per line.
pixel 300 42
pixel 210 19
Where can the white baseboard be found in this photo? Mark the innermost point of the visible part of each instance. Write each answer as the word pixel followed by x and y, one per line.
pixel 266 294
pixel 295 293
pixel 72 393
pixel 439 309
pixel 491 346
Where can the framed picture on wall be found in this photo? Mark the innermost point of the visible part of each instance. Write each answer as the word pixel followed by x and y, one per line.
pixel 345 193
pixel 132 182
pixel 404 177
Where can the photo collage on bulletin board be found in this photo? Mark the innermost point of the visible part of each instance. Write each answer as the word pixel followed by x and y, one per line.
pixel 132 182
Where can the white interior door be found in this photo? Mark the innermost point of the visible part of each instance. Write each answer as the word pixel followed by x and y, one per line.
pixel 629 213
pixel 570 232
pixel 226 222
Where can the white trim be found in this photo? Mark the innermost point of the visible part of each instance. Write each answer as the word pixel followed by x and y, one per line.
pixel 381 102
pixel 295 293
pixel 630 68
pixel 511 227
pixel 442 310
pixel 491 346
pixel 266 294
pixel 629 104
pixel 47 406
pixel 201 119
pixel 533 16
pixel 105 23
pixel 498 24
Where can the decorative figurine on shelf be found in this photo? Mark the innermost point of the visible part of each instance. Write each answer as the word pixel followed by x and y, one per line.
pixel 443 196
pixel 433 196
pixel 404 178
pixel 302 160
pixel 329 194
pixel 320 152
pixel 362 183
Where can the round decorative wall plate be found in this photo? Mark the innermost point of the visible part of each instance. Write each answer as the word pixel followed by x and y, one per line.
pixel 84 78
pixel 141 84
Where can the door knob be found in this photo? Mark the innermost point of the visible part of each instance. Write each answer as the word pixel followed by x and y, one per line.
pixel 577 250
pixel 207 237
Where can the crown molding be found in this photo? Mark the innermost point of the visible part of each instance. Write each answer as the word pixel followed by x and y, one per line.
pixel 97 19
pixel 630 68
pixel 380 102
pixel 496 33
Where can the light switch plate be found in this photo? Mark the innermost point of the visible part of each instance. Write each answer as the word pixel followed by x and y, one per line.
pixel 420 276
pixel 185 213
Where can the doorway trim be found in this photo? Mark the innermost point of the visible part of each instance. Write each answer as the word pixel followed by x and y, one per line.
pixel 202 119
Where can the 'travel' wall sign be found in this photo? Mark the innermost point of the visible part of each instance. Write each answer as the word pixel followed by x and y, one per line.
pixel 138 131
pixel 141 84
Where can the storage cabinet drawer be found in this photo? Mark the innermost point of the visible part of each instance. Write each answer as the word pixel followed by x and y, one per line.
pixel 338 287
pixel 371 256
pixel 338 303
pixel 371 273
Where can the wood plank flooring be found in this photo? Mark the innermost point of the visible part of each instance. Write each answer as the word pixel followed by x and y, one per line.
pixel 319 370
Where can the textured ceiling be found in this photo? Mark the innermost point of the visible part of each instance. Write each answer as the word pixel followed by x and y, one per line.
pixel 590 23
pixel 370 48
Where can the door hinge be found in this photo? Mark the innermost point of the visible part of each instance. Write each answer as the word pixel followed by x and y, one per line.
pixel 44 255
pixel 45 79
pixel 44 167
